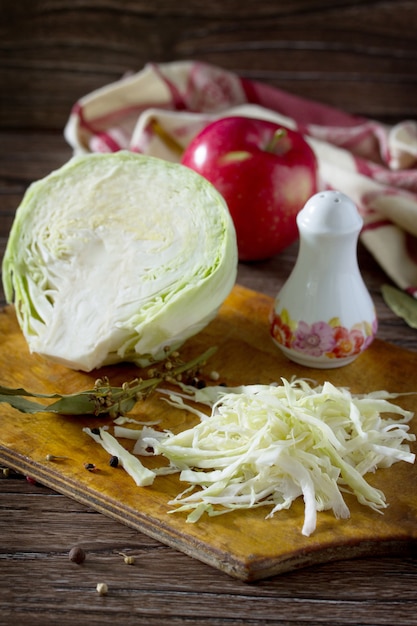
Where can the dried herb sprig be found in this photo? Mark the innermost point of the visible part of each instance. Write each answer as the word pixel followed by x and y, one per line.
pixel 105 399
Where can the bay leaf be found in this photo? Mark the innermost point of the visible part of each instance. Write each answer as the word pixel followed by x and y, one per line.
pixel 22 404
pixel 101 400
pixel 402 304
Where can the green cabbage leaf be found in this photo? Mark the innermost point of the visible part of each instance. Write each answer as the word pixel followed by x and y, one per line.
pixel 118 257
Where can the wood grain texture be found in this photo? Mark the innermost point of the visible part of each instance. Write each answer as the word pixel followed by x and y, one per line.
pixel 358 55
pixel 40 586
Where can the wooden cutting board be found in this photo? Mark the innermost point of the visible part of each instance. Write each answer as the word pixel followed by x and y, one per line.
pixel 242 544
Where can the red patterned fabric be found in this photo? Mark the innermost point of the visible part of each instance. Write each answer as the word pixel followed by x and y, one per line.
pixel 158 110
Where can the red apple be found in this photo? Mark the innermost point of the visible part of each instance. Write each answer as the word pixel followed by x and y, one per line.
pixel 264 171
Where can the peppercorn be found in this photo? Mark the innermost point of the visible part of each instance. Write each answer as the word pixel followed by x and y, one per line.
pixel 114 461
pixel 76 555
pixel 90 467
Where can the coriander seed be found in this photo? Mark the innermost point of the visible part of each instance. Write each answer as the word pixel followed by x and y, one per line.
pixel 128 559
pixel 102 589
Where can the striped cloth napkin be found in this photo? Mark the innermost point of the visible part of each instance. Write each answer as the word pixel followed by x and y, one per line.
pixel 158 110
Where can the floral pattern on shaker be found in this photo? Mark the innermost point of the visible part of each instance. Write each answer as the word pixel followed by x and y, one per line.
pixel 315 339
pixel 322 339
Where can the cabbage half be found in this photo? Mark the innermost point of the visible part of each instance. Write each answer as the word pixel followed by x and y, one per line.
pixel 118 257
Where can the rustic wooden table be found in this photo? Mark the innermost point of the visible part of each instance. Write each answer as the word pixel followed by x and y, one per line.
pixel 358 55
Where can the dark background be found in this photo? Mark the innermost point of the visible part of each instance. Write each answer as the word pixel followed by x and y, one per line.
pixel 359 55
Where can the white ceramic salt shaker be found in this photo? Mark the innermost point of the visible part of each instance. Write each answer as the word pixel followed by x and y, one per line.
pixel 323 316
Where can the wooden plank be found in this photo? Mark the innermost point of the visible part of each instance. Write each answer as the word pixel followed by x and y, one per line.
pixel 242 544
pixel 357 56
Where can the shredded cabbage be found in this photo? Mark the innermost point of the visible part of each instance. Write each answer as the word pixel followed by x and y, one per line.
pixel 267 445
pixel 117 257
pixel 142 476
pixel 130 463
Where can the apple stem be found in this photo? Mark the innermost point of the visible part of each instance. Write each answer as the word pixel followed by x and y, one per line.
pixel 276 138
